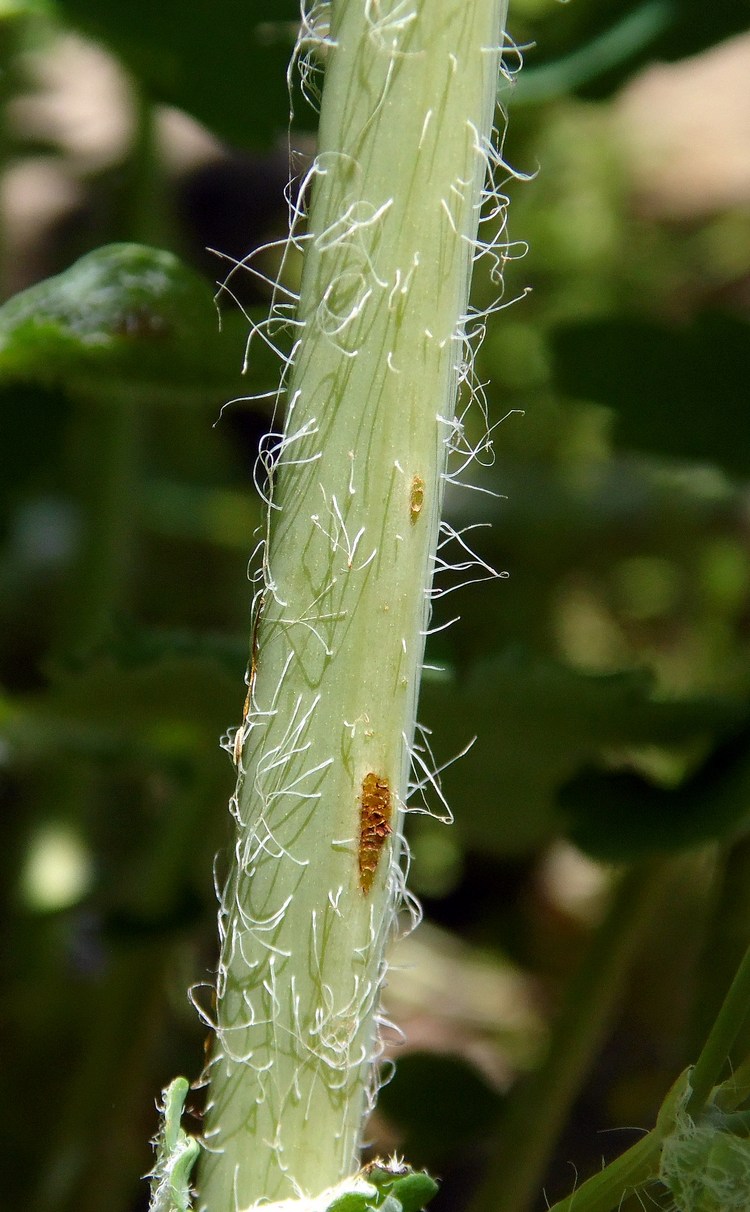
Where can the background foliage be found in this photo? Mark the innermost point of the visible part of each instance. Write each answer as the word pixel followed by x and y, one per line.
pixel 607 680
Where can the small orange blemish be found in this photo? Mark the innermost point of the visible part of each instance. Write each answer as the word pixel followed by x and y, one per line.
pixel 239 740
pixel 209 1039
pixel 374 826
pixel 416 498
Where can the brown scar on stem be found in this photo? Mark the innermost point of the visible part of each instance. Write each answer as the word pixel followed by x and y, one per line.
pixel 416 498
pixel 253 657
pixel 374 826
pixel 208 1040
pixel 239 736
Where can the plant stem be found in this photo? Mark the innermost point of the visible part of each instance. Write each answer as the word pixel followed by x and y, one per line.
pixel 108 434
pixel 725 942
pixel 736 1089
pixel 626 1173
pixel 145 218
pixel 92 1167
pixel 107 439
pixel 537 1112
pixel 327 744
pixel 717 1048
pixel 641 1163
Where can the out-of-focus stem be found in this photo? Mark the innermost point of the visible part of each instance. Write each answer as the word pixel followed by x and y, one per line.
pixel 537 1112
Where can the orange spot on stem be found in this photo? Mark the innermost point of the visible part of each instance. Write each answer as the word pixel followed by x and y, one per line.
pixel 374 826
pixel 416 498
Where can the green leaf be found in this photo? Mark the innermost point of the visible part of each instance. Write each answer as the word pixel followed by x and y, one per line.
pixel 592 49
pixel 350 1201
pixel 647 371
pixel 224 61
pixel 398 1184
pixel 393 1187
pixel 389 1204
pixel 124 320
pixel 414 1190
pixel 12 9
pixel 537 723
pixel 612 49
pixel 621 817
pixel 164 708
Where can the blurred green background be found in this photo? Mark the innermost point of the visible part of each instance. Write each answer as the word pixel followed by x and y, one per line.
pixel 607 679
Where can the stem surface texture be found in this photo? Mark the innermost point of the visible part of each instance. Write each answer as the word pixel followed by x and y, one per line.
pixel 326 751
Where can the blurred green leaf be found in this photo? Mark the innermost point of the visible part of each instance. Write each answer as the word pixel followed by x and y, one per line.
pixel 678 391
pixel 692 33
pixel 396 1189
pixel 558 520
pixel 167 707
pixel 224 61
pixel 413 1189
pixel 125 321
pixel 592 49
pixel 10 9
pixel 537 723
pixel 615 47
pixel 621 817
pixel 32 421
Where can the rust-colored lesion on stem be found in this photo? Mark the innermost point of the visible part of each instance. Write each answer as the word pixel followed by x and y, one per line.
pixel 374 826
pixel 416 498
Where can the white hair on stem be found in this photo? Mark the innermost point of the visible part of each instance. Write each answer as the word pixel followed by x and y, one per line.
pixel 371 351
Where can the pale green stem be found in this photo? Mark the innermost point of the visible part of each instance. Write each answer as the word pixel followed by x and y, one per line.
pixel 406 116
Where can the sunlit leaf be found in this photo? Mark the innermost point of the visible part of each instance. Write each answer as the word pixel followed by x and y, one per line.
pixel 125 321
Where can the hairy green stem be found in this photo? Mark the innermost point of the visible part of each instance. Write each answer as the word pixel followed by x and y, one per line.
pixel 607 1190
pixel 688 1097
pixel 577 1035
pixel 736 1089
pixel 327 744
